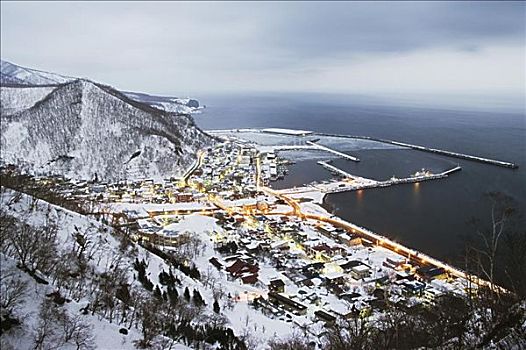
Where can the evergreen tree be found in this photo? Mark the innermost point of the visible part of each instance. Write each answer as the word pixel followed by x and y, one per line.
pixel 187 294
pixel 162 278
pixel 123 293
pixel 198 299
pixel 173 296
pixel 217 309
pixel 157 293
pixel 140 266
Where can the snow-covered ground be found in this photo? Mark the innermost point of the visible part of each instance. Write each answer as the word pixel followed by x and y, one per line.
pixel 294 132
pixel 31 76
pixel 38 213
pixel 106 335
pixel 142 209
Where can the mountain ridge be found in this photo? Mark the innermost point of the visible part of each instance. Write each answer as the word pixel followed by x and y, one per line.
pixel 12 72
pixel 15 76
pixel 83 129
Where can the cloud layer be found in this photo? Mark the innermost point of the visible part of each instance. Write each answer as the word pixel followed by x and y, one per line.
pixel 345 47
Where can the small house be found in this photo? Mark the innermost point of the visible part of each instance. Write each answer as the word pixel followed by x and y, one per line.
pixel 276 285
pixel 360 271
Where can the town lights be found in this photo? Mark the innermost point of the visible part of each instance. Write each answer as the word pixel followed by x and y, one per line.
pixel 332 268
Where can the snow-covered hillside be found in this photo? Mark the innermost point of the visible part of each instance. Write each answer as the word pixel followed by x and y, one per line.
pixel 16 99
pixel 12 74
pixel 103 256
pixel 83 129
pixel 106 335
pixel 89 262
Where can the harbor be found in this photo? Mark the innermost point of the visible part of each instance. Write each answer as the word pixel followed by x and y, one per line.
pixel 304 134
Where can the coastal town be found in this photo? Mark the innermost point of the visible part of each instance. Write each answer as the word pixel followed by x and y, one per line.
pixel 281 175
pixel 288 258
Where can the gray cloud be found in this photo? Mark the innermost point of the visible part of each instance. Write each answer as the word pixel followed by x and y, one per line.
pixel 182 47
pixel 357 27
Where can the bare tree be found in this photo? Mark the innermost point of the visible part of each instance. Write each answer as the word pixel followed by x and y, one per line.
pixel 13 291
pixel 188 246
pixel 295 342
pixel 46 335
pixel 353 333
pixel 150 321
pixel 514 261
pixel 56 328
pixel 35 248
pixel 7 227
pixel 485 254
pixel 77 332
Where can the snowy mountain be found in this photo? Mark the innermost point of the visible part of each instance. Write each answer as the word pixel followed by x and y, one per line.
pixel 84 130
pixel 12 74
pixel 168 104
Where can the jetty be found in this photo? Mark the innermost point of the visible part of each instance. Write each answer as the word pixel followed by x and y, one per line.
pixel 334 169
pixel 327 149
pixel 363 183
pixel 455 154
pixel 431 150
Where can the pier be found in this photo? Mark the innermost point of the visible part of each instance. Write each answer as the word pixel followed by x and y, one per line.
pixel 334 169
pixel 361 185
pixel 327 149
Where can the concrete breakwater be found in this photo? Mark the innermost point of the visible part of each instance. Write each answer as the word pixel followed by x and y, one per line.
pixel 430 150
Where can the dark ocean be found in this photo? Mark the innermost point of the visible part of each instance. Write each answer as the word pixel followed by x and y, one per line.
pixel 432 217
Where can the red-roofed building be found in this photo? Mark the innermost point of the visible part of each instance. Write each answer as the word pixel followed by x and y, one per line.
pixel 239 267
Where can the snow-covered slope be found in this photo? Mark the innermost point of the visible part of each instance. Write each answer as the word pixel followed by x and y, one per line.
pixel 83 129
pixel 106 335
pixel 106 254
pixel 12 74
pixel 15 99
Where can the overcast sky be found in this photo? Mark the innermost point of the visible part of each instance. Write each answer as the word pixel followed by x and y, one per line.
pixel 344 47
